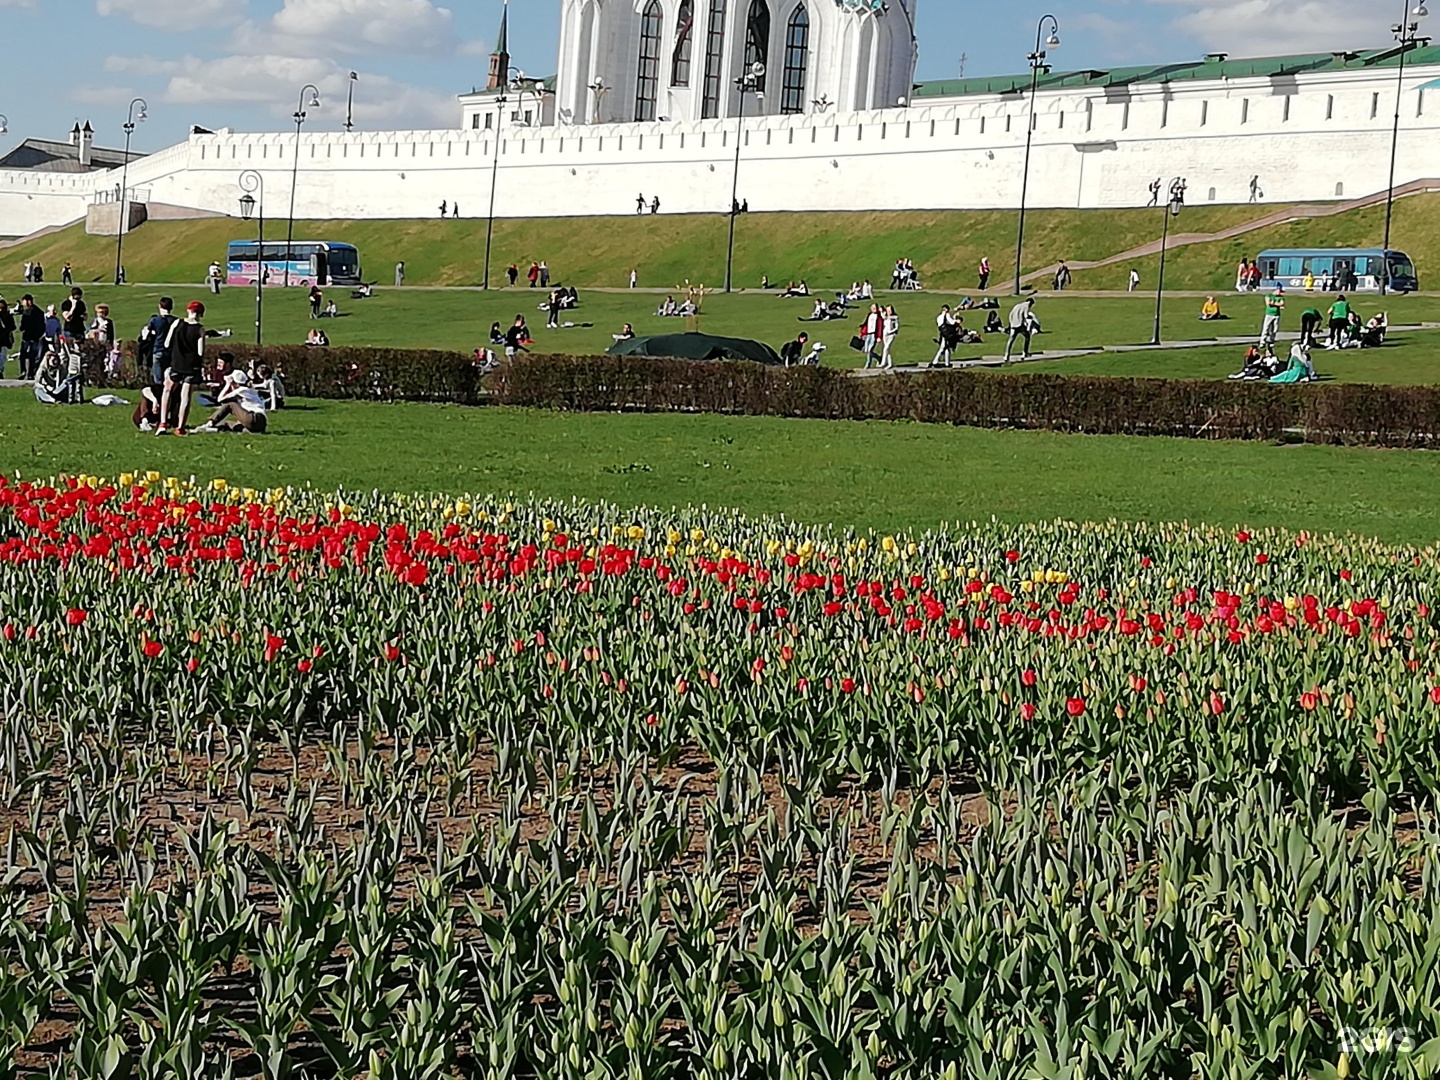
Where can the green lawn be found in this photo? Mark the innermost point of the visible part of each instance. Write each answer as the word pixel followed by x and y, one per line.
pixel 455 319
pixel 881 476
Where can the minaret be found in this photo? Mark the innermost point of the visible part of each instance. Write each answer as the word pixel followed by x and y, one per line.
pixel 500 58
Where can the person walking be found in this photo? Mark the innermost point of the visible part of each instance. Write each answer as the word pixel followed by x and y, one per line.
pixel 7 334
pixel 512 274
pixel 634 278
pixel 1022 324
pixel 67 276
pixel 29 272
pixel 212 278
pixel 891 332
pixel 949 337
pixel 1134 280
pixel 187 356
pixel 1062 277
pixel 872 332
pixel 544 275
pixel 554 305
pixel 640 204
pixel 533 274
pixel 984 274
pixel 32 336
pixel 655 206
pixel 1274 308
pixel 399 274
pixel 316 299
pixel 1242 274
pixel 455 211
pixel 1339 323
pixel 444 209
pixel 1255 189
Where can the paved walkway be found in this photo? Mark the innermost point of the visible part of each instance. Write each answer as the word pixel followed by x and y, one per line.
pixel 998 359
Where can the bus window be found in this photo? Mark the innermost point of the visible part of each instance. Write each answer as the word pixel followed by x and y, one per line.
pixel 1322 266
pixel 1270 268
pixel 1291 266
pixel 1401 266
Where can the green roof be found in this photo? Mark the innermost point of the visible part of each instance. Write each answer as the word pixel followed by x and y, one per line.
pixel 1216 67
pixel 502 39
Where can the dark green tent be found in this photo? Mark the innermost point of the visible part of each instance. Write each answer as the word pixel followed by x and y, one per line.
pixel 696 347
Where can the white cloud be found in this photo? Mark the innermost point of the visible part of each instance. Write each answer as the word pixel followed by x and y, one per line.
pixel 304 27
pixel 174 14
pixel 380 102
pixel 100 95
pixel 1275 27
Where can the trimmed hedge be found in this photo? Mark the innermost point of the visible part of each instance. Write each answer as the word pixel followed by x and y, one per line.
pixel 1333 413
pixel 1330 413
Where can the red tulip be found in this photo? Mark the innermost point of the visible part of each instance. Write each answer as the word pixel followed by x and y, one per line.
pixel 1012 556
pixel 75 616
pixel 1217 704
pixel 192 665
pixel 1309 702
pixel 652 720
pixel 317 652
pixel 1027 711
pixel 152 649
pixel 1075 706
pixel 392 652
pixel 847 686
pixel 1243 537
pixel 1435 695
pixel 304 667
pixel 1262 559
pixel 1028 677
pixel 9 631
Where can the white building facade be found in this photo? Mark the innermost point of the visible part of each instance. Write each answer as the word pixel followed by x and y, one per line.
pixel 1305 129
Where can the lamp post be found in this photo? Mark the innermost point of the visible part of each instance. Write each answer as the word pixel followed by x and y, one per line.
pixel 252 182
pixel 500 103
pixel 1172 210
pixel 131 118
pixel 350 103
pixel 1407 33
pixel 1037 64
pixel 751 80
pixel 300 116
pixel 4 124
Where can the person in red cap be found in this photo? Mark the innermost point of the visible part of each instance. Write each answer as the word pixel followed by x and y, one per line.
pixel 186 345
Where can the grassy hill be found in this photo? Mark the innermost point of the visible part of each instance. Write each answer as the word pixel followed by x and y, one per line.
pixel 828 250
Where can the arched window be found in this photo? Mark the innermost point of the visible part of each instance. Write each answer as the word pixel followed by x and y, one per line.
pixel 797 61
pixel 647 80
pixel 757 39
pixel 684 40
pixel 714 58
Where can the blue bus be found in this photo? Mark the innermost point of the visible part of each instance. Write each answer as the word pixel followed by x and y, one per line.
pixel 1338 269
pixel 310 262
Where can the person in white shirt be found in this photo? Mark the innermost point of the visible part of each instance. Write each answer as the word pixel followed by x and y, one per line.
pixel 242 407
pixel 892 328
pixel 212 278
pixel 867 291
pixel 949 337
pixel 872 332
pixel 1134 280
pixel 634 278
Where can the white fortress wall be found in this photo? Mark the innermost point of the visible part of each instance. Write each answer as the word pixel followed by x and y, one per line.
pixel 1307 139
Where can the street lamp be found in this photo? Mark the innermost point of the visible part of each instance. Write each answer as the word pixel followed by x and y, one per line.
pixel 1037 64
pixel 1407 33
pixel 350 103
pixel 250 183
pixel 4 124
pixel 500 103
pixel 131 118
pixel 751 80
pixel 1172 210
pixel 300 115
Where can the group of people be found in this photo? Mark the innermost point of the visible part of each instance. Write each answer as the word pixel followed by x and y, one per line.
pixel 52 331
pixel 242 397
pixel 670 308
pixel 560 299
pixel 33 273
pixel 904 276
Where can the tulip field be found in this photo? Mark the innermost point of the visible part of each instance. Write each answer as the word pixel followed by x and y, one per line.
pixel 308 784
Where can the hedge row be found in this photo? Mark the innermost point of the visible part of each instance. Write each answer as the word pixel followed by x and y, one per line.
pixel 1331 413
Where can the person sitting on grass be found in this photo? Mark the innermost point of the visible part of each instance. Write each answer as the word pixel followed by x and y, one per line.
pixel 793 352
pixel 1210 310
pixel 627 333
pixel 497 336
pixel 242 408
pixel 317 339
pixel 993 325
pixel 669 308
pixel 794 290
pixel 1373 336
pixel 1300 369
pixel 1259 365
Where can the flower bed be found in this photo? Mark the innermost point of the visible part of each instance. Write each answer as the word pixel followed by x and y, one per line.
pixel 432 787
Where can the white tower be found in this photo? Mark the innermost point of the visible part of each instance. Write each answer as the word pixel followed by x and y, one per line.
pixel 644 60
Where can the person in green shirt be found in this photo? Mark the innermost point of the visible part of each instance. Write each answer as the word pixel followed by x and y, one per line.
pixel 1310 320
pixel 1274 306
pixel 1339 323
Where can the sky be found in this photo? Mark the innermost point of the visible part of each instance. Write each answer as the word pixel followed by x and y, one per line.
pixel 241 63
